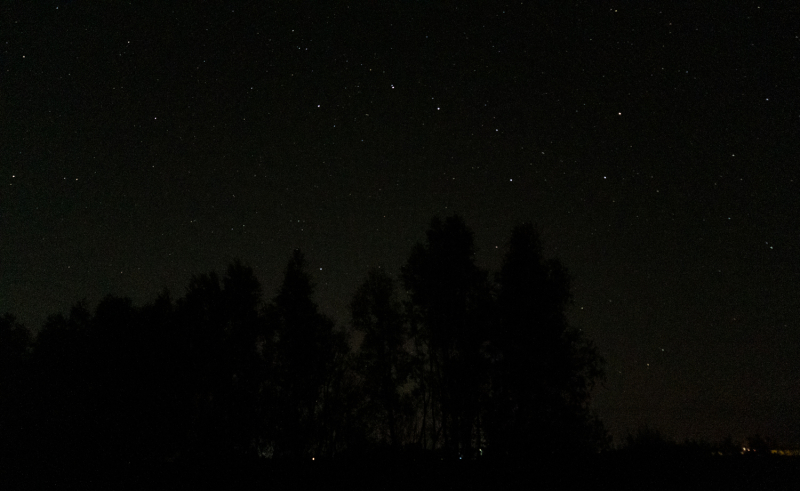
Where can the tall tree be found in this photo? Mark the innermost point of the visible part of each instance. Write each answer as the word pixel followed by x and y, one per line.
pixel 544 370
pixel 449 304
pixel 382 361
pixel 165 373
pixel 61 425
pixel 118 354
pixel 221 325
pixel 244 329
pixel 201 320
pixel 307 349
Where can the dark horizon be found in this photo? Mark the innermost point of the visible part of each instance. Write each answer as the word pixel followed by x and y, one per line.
pixel 655 150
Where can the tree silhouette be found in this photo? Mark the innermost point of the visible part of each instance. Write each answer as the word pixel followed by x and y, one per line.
pixel 15 341
pixel 244 327
pixel 759 445
pixel 120 384
pixel 307 349
pixel 650 442
pixel 61 425
pixel 544 370
pixel 449 307
pixel 167 378
pixel 382 361
pixel 221 324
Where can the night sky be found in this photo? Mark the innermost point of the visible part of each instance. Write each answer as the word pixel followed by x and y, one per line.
pixel 657 151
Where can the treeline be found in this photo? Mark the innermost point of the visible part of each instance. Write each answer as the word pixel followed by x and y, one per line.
pixel 450 360
pixel 649 442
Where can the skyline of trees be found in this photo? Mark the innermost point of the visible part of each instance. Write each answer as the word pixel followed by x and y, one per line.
pixel 458 362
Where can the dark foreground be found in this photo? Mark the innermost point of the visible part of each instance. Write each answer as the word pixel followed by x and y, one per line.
pixel 612 470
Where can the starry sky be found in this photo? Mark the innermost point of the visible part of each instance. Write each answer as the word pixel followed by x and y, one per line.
pixel 655 149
